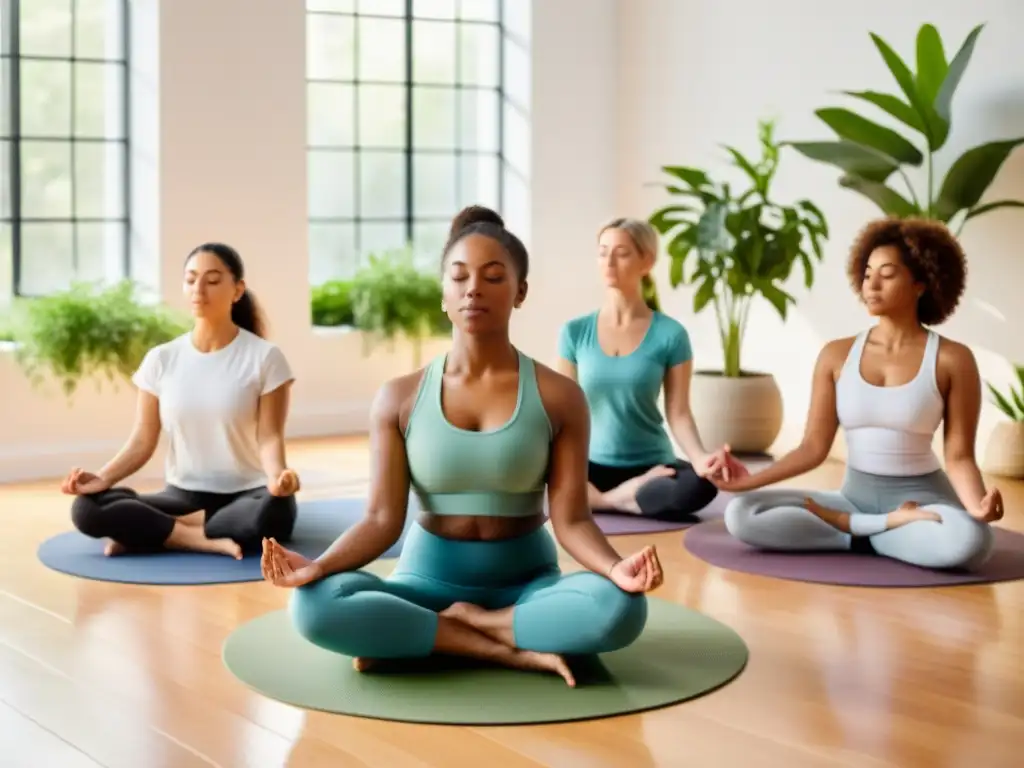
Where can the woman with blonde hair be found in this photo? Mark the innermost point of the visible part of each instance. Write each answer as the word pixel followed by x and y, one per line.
pixel 622 355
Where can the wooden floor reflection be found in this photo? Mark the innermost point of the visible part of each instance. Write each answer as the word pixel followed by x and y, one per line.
pixel 93 673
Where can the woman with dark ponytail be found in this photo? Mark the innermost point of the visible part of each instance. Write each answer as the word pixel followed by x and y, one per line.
pixel 623 355
pixel 221 394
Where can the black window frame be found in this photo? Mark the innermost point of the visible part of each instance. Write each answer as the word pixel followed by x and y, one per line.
pixel 409 218
pixel 11 55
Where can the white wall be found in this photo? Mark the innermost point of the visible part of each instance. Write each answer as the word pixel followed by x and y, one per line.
pixel 693 75
pixel 220 151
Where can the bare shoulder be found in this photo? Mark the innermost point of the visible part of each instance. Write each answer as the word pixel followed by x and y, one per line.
pixel 955 355
pixel 562 397
pixel 833 355
pixel 955 363
pixel 394 400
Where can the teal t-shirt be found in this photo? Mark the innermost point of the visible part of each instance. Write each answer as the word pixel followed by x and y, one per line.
pixel 626 426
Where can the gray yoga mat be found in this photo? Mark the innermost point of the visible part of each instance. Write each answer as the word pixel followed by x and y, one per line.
pixel 712 543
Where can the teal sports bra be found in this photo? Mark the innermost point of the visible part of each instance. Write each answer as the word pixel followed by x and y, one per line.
pixel 498 473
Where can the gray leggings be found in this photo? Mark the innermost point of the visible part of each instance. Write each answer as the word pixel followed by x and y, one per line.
pixel 775 518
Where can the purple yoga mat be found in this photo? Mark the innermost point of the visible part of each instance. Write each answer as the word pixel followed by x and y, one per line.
pixel 622 524
pixel 713 544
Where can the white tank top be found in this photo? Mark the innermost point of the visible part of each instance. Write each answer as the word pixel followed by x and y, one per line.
pixel 889 430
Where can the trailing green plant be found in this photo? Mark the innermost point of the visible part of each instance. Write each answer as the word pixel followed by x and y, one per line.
pixel 392 298
pixel 331 304
pixel 738 247
pixel 6 331
pixel 869 154
pixel 89 331
pixel 1012 403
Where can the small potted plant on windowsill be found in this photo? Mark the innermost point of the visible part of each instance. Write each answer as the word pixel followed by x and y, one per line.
pixel 331 307
pixel 1004 453
pixel 89 332
pixel 737 247
pixel 392 298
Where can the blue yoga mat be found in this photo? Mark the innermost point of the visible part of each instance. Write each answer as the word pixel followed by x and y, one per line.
pixel 318 524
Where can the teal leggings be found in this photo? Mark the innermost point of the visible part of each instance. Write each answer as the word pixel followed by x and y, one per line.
pixel 359 614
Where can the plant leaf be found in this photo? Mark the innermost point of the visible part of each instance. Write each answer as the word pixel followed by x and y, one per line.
pixel 712 234
pixel 892 105
pixel 1002 403
pixel 889 200
pixel 931 64
pixel 849 157
pixel 859 130
pixel 935 128
pixel 693 177
pixel 983 209
pixel 664 221
pixel 704 294
pixel 748 168
pixel 971 175
pixel 944 97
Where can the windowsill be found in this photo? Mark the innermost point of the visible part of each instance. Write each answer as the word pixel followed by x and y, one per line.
pixel 334 330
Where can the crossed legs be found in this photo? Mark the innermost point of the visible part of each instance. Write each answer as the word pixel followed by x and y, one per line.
pixel 228 524
pixel 935 534
pixel 409 616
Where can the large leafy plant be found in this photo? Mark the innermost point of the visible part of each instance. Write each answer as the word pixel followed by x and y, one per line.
pixel 392 298
pixel 870 154
pixel 738 247
pixel 89 331
pixel 1011 403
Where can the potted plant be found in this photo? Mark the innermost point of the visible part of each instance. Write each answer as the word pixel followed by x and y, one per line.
pixel 89 332
pixel 392 298
pixel 736 248
pixel 331 305
pixel 869 154
pixel 1004 454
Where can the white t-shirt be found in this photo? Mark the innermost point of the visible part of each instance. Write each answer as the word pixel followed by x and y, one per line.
pixel 209 408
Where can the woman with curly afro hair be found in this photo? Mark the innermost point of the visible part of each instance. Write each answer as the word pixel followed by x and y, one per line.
pixel 889 388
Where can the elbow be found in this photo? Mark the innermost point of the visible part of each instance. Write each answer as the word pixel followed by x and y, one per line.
pixel 387 527
pixel 814 452
pixel 142 446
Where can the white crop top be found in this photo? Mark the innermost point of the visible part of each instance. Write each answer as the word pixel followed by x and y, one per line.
pixel 209 408
pixel 889 430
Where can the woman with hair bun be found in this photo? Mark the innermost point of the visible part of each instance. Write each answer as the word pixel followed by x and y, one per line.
pixel 481 434
pixel 889 388
pixel 221 393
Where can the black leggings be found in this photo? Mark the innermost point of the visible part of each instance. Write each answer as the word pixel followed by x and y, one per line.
pixel 668 498
pixel 143 521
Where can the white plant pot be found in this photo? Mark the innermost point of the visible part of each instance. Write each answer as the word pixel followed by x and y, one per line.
pixel 745 411
pixel 1004 453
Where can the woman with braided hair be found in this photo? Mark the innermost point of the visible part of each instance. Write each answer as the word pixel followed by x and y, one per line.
pixel 889 388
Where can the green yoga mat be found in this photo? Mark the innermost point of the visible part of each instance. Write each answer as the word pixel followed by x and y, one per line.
pixel 682 654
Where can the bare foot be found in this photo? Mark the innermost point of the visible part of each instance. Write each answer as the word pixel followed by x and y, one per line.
pixel 908 513
pixel 193 518
pixel 542 662
pixel 114 548
pixel 193 537
pixel 497 625
pixel 835 518
pixel 228 547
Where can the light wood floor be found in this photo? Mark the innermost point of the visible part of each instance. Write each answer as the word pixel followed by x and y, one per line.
pixel 117 675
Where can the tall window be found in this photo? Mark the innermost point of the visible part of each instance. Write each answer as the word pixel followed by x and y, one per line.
pixel 404 124
pixel 63 143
